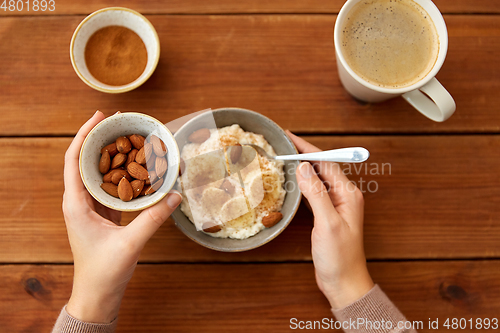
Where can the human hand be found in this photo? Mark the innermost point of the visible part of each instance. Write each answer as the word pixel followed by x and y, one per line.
pixel 105 253
pixel 337 236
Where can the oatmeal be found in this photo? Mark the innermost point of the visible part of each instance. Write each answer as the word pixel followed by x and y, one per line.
pixel 228 189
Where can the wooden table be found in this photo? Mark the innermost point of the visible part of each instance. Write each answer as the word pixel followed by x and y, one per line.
pixel 432 229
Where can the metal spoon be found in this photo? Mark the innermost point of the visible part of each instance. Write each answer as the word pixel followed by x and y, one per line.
pixel 343 155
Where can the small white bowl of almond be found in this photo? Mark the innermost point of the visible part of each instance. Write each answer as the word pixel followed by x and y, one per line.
pixel 129 161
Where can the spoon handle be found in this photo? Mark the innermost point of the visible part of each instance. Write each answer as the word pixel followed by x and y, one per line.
pixel 343 155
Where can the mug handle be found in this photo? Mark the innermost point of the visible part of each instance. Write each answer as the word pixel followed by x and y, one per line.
pixel 432 100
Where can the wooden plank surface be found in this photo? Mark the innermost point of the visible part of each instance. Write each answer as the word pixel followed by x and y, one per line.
pixel 440 200
pixel 241 298
pixel 280 65
pixel 230 7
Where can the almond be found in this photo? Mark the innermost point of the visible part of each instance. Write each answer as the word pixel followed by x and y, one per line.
pixel 211 227
pixel 107 177
pixel 105 162
pixel 158 146
pixel 111 148
pixel 148 150
pixel 125 191
pixel 118 175
pixel 152 177
pixel 150 189
pixel 199 136
pixel 161 166
pixel 235 153
pixel 110 189
pixel 137 186
pixel 150 164
pixel 271 219
pixel 137 171
pixel 131 157
pixel 144 154
pixel 156 186
pixel 145 189
pixel 140 157
pixel 118 160
pixel 123 145
pixel 227 186
pixel 137 141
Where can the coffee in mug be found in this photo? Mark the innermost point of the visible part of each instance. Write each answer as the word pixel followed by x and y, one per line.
pixel 390 43
pixel 389 48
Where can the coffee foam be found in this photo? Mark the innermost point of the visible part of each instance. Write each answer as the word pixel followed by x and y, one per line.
pixel 389 43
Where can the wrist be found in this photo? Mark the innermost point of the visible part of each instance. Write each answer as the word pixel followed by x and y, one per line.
pixel 347 291
pixel 93 308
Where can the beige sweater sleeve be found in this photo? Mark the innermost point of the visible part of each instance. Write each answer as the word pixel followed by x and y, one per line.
pixel 68 324
pixel 372 311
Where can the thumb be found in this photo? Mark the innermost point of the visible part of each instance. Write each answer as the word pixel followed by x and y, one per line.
pixel 315 191
pixel 143 227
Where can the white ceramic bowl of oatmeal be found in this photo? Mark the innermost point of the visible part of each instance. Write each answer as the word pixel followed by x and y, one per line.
pixel 208 172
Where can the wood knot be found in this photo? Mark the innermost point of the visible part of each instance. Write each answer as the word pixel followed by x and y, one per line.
pixel 34 287
pixel 452 291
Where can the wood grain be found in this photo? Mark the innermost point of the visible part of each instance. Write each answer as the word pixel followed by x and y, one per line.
pixel 248 298
pixel 231 7
pixel 439 198
pixel 280 65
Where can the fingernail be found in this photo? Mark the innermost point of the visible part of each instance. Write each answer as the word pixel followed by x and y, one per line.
pixel 95 114
pixel 306 170
pixel 118 112
pixel 174 198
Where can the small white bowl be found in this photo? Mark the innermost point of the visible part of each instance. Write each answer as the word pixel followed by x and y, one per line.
pixel 114 16
pixel 106 132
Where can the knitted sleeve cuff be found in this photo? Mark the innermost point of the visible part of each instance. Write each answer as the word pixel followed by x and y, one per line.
pixel 68 324
pixel 372 313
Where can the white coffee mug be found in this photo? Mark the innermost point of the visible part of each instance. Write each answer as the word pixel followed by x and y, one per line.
pixel 428 96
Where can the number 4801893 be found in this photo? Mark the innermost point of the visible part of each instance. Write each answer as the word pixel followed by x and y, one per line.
pixel 33 5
